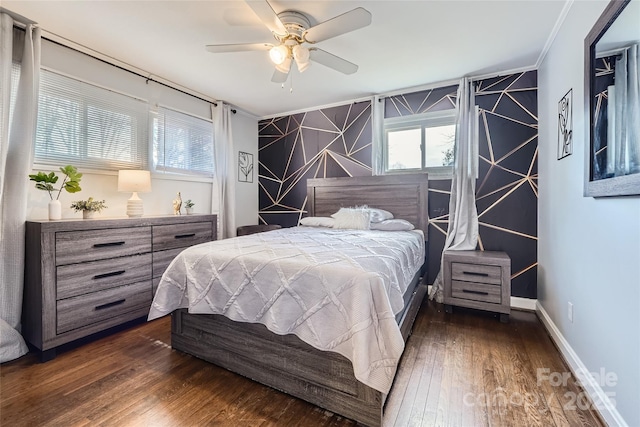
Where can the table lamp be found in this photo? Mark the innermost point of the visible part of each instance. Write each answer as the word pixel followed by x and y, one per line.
pixel 134 181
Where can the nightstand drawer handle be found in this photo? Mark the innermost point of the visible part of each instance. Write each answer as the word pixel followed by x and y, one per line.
pixel 104 245
pixel 466 291
pixel 183 236
pixel 473 273
pixel 110 304
pixel 113 273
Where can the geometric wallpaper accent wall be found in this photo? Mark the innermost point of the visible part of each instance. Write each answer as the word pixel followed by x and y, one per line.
pixel 336 142
pixel 326 143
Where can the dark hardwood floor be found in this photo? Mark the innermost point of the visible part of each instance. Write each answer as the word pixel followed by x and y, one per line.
pixel 460 369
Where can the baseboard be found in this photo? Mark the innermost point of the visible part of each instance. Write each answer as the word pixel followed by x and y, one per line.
pixel 607 410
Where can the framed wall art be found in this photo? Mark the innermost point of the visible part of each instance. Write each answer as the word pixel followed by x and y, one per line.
pixel 565 125
pixel 245 167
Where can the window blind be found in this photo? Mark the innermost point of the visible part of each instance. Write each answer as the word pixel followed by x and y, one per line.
pixel 182 143
pixel 89 126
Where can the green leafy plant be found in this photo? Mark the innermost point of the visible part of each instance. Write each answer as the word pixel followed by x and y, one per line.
pixel 46 182
pixel 189 204
pixel 89 205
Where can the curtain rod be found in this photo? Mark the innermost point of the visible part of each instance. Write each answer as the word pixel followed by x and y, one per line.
pixel 147 78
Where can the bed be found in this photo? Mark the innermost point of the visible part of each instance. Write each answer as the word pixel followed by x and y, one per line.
pixel 326 370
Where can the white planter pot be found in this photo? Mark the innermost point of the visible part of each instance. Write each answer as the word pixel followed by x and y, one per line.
pixel 55 210
pixel 189 211
pixel 88 214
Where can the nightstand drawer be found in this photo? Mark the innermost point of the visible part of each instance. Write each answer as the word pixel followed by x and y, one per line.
pixel 181 235
pixel 76 312
pixel 90 245
pixel 480 273
pixel 476 292
pixel 93 276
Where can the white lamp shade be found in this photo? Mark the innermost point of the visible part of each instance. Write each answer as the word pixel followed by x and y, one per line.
pixel 278 54
pixel 134 181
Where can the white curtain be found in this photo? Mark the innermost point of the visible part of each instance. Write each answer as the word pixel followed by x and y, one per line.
pixel 377 114
pixel 225 176
pixel 16 150
pixel 623 116
pixel 462 233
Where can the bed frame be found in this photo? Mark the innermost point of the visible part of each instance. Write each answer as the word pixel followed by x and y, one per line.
pixel 285 362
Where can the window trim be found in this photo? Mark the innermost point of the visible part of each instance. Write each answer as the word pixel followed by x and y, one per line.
pixel 418 121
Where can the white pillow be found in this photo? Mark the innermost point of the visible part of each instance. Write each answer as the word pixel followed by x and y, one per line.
pixel 379 215
pixel 351 218
pixel 317 221
pixel 393 225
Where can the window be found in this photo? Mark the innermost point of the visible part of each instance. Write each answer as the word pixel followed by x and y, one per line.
pixel 89 126
pixel 182 143
pixel 420 142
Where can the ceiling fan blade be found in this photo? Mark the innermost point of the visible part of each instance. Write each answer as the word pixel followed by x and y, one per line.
pixel 279 76
pixel 329 60
pixel 341 24
pixel 268 16
pixel 241 47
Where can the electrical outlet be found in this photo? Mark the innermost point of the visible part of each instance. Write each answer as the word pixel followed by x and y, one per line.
pixel 570 312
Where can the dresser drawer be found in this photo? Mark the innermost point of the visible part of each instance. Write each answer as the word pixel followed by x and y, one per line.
pixel 77 279
pixel 480 273
pixel 89 245
pixel 83 310
pixel 181 235
pixel 476 292
pixel 162 259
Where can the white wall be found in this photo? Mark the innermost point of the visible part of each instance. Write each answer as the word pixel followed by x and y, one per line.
pixel 103 185
pixel 588 249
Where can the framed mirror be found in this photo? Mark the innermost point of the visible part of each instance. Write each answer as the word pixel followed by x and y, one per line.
pixel 612 81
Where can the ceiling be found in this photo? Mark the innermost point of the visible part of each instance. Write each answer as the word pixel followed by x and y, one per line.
pixel 409 44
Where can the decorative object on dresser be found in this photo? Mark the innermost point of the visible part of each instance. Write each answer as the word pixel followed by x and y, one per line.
pixel 83 277
pixel 134 181
pixel 188 207
pixel 478 279
pixel 88 207
pixel 177 204
pixel 70 183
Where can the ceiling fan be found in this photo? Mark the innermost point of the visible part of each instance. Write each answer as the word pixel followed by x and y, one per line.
pixel 293 31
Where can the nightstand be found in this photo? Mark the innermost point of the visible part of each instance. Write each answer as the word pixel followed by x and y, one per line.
pixel 478 279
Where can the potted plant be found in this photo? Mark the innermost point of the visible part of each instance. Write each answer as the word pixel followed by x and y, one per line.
pixel 88 207
pixel 46 182
pixel 188 206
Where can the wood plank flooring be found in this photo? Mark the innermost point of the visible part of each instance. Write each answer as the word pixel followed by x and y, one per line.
pixel 459 369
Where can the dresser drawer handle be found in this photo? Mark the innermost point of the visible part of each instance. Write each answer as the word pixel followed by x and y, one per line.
pixel 467 291
pixel 110 304
pixel 111 274
pixel 473 273
pixel 104 245
pixel 184 236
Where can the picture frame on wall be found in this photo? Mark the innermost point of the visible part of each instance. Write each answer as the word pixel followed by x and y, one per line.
pixel 565 125
pixel 245 167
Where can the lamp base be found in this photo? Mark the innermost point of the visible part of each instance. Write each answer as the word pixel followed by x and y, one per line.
pixel 134 206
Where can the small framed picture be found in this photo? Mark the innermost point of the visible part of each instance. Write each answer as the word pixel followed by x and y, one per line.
pixel 565 125
pixel 245 167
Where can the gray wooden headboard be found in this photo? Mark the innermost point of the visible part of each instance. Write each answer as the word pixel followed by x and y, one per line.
pixel 404 195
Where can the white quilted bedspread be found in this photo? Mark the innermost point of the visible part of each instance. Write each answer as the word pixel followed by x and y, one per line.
pixel 337 290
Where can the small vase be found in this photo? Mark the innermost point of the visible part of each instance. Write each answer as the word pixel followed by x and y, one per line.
pixel 88 214
pixel 189 210
pixel 55 210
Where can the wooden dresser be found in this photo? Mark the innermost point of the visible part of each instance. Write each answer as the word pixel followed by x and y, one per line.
pixel 85 276
pixel 478 279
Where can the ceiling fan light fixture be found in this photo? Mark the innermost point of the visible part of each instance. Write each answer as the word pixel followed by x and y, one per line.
pixel 301 55
pixel 278 54
pixel 285 65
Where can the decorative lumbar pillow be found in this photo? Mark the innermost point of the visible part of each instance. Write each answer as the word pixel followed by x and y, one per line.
pixel 393 225
pixel 379 215
pixel 351 218
pixel 317 221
